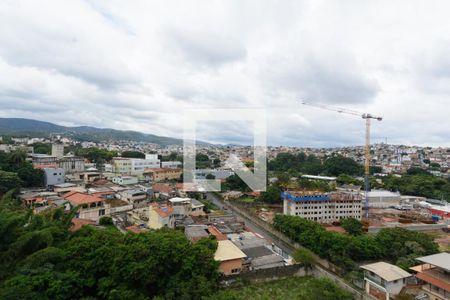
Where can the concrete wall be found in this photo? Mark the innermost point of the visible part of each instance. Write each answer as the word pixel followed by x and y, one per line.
pixel 227 266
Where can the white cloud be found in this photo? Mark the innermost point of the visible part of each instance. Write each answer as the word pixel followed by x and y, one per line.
pixel 137 65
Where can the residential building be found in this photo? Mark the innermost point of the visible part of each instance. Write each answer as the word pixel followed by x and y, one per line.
pixel 434 275
pixel 90 207
pixel 162 174
pixel 171 164
pixel 384 281
pixel 125 180
pixel 58 150
pixel 196 232
pixel 160 215
pixel 71 164
pixel 219 174
pixel 187 207
pixel 230 257
pixel 135 166
pixel 53 176
pixel 137 197
pixel 323 207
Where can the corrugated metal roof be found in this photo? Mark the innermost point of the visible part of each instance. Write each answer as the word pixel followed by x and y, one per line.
pixel 226 250
pixel 386 271
pixel 441 260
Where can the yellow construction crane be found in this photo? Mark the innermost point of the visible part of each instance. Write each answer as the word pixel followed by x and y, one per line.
pixel 367 117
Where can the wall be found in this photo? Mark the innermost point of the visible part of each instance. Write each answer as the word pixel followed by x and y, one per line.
pixel 225 267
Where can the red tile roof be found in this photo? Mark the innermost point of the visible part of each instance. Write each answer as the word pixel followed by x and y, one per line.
pixel 162 188
pixel 434 281
pixel 219 236
pixel 78 223
pixel 77 198
pixel 134 229
pixel 163 211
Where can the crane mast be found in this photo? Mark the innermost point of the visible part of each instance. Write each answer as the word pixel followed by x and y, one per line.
pixel 368 118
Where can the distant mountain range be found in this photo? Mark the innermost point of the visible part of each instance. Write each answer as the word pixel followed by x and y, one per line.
pixel 34 128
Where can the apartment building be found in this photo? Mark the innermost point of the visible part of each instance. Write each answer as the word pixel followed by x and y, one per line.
pixel 135 166
pixel 323 207
pixel 162 174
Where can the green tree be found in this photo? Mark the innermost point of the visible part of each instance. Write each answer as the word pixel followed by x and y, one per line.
pixel 305 257
pixel 271 195
pixel 9 181
pixel 352 226
pixel 133 154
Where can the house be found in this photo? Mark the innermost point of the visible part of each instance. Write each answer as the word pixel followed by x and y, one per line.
pixel 187 207
pixel 196 232
pixel 434 275
pixel 383 280
pixel 160 215
pixel 90 207
pixel 137 197
pixel 163 190
pixel 230 257
pixel 53 176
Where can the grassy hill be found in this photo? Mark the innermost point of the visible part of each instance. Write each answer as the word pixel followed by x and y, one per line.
pixel 34 128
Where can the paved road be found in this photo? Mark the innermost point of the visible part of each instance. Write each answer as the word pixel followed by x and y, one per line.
pixel 252 226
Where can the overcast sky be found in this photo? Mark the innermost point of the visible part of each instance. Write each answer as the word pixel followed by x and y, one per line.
pixel 139 65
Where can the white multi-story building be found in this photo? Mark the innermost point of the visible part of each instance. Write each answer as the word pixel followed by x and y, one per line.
pixel 323 208
pixel 135 166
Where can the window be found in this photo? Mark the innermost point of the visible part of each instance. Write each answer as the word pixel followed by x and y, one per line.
pixel 101 212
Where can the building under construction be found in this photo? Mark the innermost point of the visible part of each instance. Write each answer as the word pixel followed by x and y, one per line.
pixel 323 207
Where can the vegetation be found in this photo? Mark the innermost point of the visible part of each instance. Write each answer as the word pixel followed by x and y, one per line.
pixel 306 288
pixel 96 155
pixel 305 257
pixel 311 164
pixel 133 154
pixel 42 148
pixel 41 259
pixel 202 161
pixel 271 195
pixel 235 183
pixel 421 184
pixel 352 226
pixel 16 172
pixel 396 245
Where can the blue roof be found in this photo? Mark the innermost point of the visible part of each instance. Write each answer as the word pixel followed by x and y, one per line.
pixel 306 198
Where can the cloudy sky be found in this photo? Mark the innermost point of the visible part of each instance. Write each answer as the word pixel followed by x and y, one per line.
pixel 140 65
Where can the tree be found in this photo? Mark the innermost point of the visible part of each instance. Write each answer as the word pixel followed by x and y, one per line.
pixel 9 181
pixel 352 226
pixel 271 195
pixel 305 257
pixel 133 154
pixel 105 221
pixel 42 148
pixel 338 164
pixel 210 176
pixel 234 182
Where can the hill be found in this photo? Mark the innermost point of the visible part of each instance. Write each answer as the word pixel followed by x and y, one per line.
pixel 34 128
